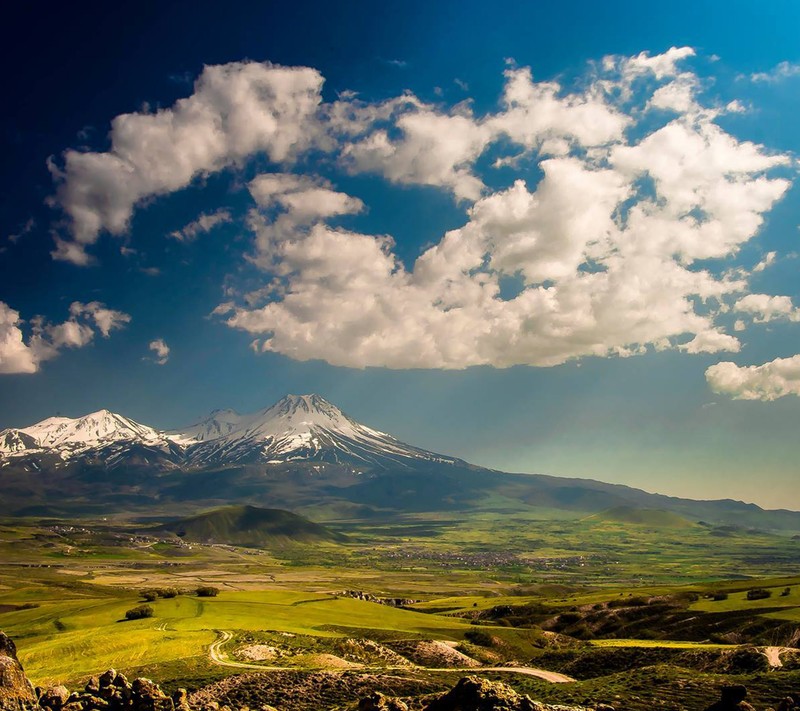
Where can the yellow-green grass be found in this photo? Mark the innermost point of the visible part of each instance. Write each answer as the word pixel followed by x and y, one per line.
pixel 560 596
pixel 656 643
pixel 72 656
pixel 70 639
pixel 738 600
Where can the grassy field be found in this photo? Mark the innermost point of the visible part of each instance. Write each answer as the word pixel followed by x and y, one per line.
pixel 654 644
pixel 65 587
pixel 73 638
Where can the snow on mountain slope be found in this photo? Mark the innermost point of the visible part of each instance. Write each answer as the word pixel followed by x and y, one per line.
pixel 218 424
pixel 298 427
pixel 92 429
pixel 98 432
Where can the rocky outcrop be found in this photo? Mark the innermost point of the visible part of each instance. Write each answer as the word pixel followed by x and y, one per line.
pixel 16 691
pixel 369 597
pixel 111 691
pixel 475 694
pixel 732 698
pixel 380 702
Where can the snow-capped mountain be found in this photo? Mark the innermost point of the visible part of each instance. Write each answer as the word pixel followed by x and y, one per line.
pixel 73 436
pixel 89 430
pixel 303 451
pixel 102 437
pixel 297 428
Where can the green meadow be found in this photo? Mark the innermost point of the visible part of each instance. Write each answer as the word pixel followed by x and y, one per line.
pixel 537 591
pixel 69 639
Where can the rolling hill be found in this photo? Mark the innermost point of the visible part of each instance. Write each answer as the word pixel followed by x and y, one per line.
pixel 248 526
pixel 651 518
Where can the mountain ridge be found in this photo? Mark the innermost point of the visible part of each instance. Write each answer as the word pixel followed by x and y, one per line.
pixel 301 453
pixel 297 427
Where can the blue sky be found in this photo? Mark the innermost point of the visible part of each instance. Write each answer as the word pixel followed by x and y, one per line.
pixel 557 240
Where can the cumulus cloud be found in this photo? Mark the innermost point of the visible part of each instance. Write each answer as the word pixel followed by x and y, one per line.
pixel 764 308
pixel 540 113
pixel 15 355
pixel 161 350
pixel 769 381
pixel 242 109
pixel 236 110
pixel 288 206
pixel 203 224
pixel 434 149
pixel 618 248
pixel 46 339
pixel 605 249
pixel 660 66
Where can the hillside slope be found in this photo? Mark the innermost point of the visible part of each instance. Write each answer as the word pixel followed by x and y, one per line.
pixel 248 526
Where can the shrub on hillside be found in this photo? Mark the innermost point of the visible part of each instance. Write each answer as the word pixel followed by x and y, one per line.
pixel 686 596
pixel 718 595
pixel 167 592
pixel 582 631
pixel 207 591
pixel 139 613
pixel 149 595
pixel 479 637
pixel 747 661
pixel 567 618
pixel 758 594
pixel 786 592
pixel 629 602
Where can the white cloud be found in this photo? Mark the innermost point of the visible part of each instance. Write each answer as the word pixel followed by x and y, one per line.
pixel 236 110
pixel 736 107
pixel 769 381
pixel 434 149
pixel 677 96
pixel 105 319
pixel 605 250
pixel 537 112
pixel 764 308
pixel 767 261
pixel 660 65
pixel 15 355
pixel 439 148
pixel 784 70
pixel 609 251
pixel 47 339
pixel 300 202
pixel 203 224
pixel 161 350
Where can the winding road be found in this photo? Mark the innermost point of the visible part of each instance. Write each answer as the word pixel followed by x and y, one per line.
pixel 216 655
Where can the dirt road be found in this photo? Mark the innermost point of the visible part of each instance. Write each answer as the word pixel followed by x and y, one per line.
pixel 216 656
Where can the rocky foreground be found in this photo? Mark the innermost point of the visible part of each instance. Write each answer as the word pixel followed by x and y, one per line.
pixel 112 691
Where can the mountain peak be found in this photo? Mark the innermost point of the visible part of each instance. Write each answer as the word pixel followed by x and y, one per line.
pixel 310 401
pixel 296 428
pixel 95 429
pixel 312 404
